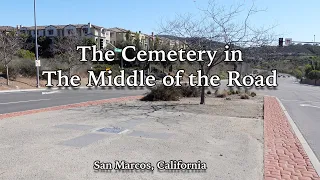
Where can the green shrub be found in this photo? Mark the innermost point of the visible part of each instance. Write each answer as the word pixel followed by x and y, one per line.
pixel 2 69
pixel 27 68
pixel 231 91
pixel 223 75
pixel 172 93
pixel 162 93
pixel 189 91
pixel 314 75
pixel 25 54
pixel 238 91
pixel 297 73
pixel 13 72
pixel 98 68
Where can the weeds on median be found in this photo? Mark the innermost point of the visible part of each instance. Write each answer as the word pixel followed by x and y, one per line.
pixel 172 93
pixel 244 96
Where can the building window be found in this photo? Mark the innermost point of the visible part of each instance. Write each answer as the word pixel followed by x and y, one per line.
pixel 70 31
pixel 50 32
pixel 85 31
pixel 101 43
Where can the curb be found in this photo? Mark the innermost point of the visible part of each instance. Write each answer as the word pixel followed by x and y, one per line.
pixel 313 158
pixel 284 155
pixel 69 106
pixel 22 90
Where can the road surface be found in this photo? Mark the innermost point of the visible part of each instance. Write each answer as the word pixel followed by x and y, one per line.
pixel 303 105
pixel 21 101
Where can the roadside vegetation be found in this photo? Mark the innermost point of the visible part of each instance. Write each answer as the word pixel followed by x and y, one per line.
pixel 172 93
pixel 312 70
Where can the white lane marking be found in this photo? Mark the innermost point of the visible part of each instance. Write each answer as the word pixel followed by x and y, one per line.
pixel 41 89
pixel 308 105
pixel 124 131
pixel 17 102
pixel 289 100
pixel 51 92
pixel 313 158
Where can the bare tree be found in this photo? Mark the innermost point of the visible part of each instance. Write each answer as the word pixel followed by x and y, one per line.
pixel 216 27
pixel 66 50
pixel 9 46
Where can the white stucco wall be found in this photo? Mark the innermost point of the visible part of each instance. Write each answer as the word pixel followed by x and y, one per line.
pixel 40 33
pixel 24 30
pixel 69 28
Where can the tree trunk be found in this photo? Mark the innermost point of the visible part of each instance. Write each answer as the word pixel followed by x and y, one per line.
pixel 7 71
pixel 235 66
pixel 202 101
pixel 202 98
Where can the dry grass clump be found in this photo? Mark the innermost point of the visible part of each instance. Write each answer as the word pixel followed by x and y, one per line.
pixel 172 93
pixel 244 96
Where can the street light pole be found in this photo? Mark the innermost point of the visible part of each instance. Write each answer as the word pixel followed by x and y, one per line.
pixel 36 46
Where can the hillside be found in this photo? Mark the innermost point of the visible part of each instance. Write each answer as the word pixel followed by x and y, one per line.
pixel 285 59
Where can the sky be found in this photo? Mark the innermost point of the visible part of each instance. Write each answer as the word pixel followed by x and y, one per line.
pixel 294 19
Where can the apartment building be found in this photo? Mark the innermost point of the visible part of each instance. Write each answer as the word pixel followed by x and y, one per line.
pixel 100 34
pixel 118 35
pixel 6 29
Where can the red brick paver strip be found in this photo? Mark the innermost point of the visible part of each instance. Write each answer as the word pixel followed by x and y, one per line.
pixel 284 156
pixel 83 104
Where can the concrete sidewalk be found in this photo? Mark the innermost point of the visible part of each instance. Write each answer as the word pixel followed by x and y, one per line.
pixel 63 144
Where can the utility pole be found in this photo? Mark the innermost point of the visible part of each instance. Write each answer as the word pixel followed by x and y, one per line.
pixel 36 46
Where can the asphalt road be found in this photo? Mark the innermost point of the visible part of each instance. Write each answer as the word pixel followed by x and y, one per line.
pixel 21 101
pixel 303 105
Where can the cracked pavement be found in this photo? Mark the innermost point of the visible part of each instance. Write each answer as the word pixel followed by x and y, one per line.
pixel 63 144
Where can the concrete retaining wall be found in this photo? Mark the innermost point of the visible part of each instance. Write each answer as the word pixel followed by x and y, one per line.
pixel 311 82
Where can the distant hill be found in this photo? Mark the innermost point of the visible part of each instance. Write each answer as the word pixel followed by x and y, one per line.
pixel 204 41
pixel 274 51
